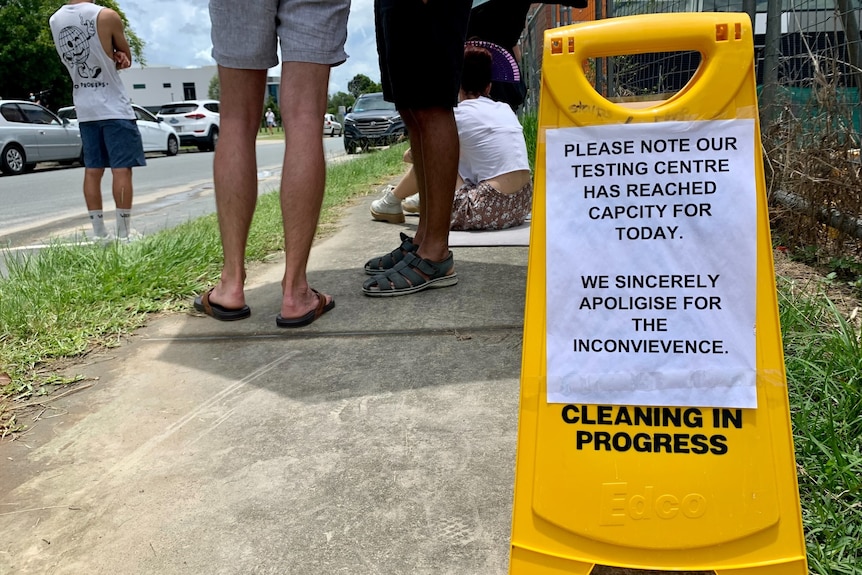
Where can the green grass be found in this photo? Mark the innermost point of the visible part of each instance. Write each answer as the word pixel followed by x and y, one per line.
pixel 64 300
pixel 823 357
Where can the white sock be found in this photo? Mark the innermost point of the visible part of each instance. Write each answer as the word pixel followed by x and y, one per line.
pixel 98 221
pixel 124 223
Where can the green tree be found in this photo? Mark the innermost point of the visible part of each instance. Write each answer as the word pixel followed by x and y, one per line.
pixel 28 58
pixel 362 84
pixel 214 91
pixel 339 99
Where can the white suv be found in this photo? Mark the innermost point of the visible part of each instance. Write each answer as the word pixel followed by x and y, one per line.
pixel 195 121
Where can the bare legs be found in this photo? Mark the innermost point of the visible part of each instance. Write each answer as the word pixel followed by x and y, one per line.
pixel 235 174
pixel 434 146
pixel 121 187
pixel 93 188
pixel 303 103
pixel 407 186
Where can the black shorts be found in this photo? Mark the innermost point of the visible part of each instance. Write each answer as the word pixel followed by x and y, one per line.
pixel 421 49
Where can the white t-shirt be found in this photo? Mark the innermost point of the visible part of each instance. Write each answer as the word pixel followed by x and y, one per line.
pixel 97 90
pixel 491 138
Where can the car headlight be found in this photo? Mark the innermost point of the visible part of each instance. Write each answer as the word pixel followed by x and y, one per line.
pixel 349 122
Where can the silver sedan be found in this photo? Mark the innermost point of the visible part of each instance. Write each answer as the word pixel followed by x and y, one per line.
pixel 30 134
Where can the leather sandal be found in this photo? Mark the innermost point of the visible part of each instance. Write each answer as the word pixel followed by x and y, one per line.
pixel 385 262
pixel 412 274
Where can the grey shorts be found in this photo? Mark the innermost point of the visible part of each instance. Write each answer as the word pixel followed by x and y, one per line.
pixel 246 34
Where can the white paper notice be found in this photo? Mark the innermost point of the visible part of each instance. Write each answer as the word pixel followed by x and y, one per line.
pixel 652 264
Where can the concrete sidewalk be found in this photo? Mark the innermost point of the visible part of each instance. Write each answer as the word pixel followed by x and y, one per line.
pixel 379 440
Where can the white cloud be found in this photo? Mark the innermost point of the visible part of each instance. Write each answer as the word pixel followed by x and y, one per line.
pixel 177 33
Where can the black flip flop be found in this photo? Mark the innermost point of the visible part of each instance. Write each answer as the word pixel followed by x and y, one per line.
pixel 322 308
pixel 219 312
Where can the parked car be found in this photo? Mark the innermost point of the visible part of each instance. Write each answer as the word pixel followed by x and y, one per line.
pixel 372 122
pixel 331 126
pixel 196 122
pixel 155 134
pixel 30 134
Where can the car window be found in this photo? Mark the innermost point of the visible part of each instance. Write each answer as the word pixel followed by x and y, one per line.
pixel 12 113
pixel 366 103
pixel 38 115
pixel 177 108
pixel 143 115
pixel 68 113
pixel 212 107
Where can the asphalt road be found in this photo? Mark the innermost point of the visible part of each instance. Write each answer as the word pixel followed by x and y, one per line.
pixel 47 204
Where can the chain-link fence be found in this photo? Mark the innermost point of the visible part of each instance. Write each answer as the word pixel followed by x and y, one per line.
pixel 808 72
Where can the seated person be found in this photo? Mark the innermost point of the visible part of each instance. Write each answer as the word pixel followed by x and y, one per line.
pixel 495 188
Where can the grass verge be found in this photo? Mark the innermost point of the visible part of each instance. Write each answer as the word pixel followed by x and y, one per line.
pixel 65 300
pixel 823 358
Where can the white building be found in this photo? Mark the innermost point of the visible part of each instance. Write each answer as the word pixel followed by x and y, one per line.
pixel 153 86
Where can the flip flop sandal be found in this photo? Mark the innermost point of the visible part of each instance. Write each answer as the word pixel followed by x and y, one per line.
pixel 221 313
pixel 410 275
pixel 386 262
pixel 322 308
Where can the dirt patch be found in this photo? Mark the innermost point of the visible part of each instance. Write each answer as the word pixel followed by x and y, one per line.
pixel 812 281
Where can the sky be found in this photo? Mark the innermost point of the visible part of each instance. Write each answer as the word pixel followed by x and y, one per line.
pixel 177 33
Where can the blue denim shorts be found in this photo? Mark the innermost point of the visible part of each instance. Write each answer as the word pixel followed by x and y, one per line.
pixel 112 144
pixel 247 34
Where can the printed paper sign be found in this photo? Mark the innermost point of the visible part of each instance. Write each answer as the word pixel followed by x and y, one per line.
pixel 651 264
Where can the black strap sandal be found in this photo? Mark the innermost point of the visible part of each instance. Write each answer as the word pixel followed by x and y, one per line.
pixel 410 275
pixel 386 262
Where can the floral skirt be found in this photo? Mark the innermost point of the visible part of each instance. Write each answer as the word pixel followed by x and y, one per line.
pixel 482 207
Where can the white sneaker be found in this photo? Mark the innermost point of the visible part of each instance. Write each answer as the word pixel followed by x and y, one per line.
pixel 411 204
pixel 132 237
pixel 103 239
pixel 387 208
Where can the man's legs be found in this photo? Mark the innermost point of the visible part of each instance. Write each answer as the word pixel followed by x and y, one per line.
pixel 93 200
pixel 121 187
pixel 235 175
pixel 435 149
pixel 303 104
pixel 93 188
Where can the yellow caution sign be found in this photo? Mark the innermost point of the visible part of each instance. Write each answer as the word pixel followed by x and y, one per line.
pixel 654 421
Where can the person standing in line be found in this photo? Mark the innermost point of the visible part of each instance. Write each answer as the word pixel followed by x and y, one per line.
pixel 420 44
pixel 245 38
pixel 91 42
pixel 270 120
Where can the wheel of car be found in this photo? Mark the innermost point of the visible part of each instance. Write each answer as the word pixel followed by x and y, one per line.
pixel 350 147
pixel 173 146
pixel 213 138
pixel 13 161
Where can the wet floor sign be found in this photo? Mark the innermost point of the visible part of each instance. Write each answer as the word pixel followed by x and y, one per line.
pixel 654 424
